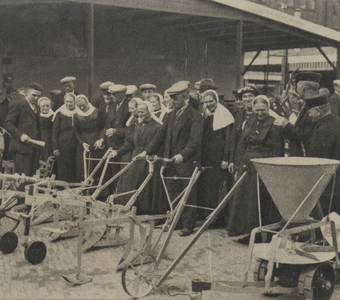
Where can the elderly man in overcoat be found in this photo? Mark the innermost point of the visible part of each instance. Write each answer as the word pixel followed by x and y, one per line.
pixel 181 135
pixel 324 142
pixel 22 122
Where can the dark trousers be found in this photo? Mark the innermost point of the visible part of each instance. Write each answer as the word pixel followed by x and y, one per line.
pixel 26 163
pixel 175 187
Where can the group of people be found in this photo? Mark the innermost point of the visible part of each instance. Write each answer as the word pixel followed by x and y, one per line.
pixel 184 128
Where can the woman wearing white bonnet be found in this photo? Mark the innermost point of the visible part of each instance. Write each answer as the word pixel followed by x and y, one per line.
pixel 260 139
pixel 149 201
pixel 88 124
pixel 45 119
pixel 217 126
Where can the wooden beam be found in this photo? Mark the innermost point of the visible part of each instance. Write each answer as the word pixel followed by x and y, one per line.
pixel 188 7
pixel 90 50
pixel 239 55
pixel 326 57
pixel 247 67
pixel 338 63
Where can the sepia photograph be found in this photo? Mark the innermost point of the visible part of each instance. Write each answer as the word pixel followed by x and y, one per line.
pixel 170 149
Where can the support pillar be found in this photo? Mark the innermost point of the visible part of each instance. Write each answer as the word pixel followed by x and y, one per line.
pixel 239 55
pixel 284 71
pixel 90 50
pixel 337 72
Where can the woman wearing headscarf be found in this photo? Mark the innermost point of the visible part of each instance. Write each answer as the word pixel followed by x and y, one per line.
pixel 245 96
pixel 88 123
pixel 217 126
pixel 149 200
pixel 45 119
pixel 160 110
pixel 63 139
pixel 131 124
pixel 260 139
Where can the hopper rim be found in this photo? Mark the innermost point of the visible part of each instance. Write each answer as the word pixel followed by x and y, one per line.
pixel 296 161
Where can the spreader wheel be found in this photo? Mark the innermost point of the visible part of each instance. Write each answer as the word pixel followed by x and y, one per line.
pixel 35 252
pixel 8 242
pixel 138 280
pixel 317 282
pixel 260 270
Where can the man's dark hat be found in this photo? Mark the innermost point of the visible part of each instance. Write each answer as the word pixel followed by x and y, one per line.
pixel 308 76
pixel 316 100
pixel 206 84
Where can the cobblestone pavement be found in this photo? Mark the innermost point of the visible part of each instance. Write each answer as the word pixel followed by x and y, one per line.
pixel 213 257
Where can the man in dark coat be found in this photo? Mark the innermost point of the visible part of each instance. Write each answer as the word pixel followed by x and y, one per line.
pixel 101 99
pixel 181 135
pixel 306 84
pixel 22 122
pixel 10 95
pixel 324 142
pixel 68 83
pixel 117 115
pixel 334 99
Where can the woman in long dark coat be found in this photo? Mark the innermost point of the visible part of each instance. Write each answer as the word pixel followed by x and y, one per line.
pixel 218 122
pixel 63 139
pixel 88 123
pixel 144 133
pixel 45 120
pixel 131 124
pixel 260 139
pixel 246 95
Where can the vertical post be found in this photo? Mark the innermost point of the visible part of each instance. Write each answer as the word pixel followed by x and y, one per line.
pixel 337 75
pixel 90 50
pixel 284 71
pixel 239 55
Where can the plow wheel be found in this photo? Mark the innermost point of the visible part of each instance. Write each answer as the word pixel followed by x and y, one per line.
pixel 317 282
pixel 138 280
pixel 8 242
pixel 35 252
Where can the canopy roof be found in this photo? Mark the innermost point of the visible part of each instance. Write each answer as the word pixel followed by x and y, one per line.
pixel 262 27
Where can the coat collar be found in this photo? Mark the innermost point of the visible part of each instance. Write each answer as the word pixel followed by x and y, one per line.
pixel 28 108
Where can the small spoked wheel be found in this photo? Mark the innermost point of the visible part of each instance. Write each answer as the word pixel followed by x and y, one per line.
pixel 138 278
pixel 8 242
pixel 35 252
pixel 317 282
pixel 261 270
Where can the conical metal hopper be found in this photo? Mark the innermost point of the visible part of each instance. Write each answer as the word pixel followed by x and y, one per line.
pixel 289 180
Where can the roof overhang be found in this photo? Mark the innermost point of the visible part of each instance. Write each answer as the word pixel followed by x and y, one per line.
pixel 218 20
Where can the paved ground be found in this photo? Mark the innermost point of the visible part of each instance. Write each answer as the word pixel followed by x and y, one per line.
pixel 214 257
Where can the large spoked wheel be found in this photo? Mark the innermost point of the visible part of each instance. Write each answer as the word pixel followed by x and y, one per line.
pixel 35 252
pixel 317 282
pixel 8 242
pixel 138 280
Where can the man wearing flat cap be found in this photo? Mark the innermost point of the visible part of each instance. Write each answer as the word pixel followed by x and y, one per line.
pixel 334 99
pixel 68 83
pixel 324 142
pixel 147 89
pixel 22 122
pixel 100 100
pixel 115 126
pixel 192 101
pixel 306 84
pixel 181 135
pixel 131 91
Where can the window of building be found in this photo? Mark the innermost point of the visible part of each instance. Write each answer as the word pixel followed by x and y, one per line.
pixel 302 4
